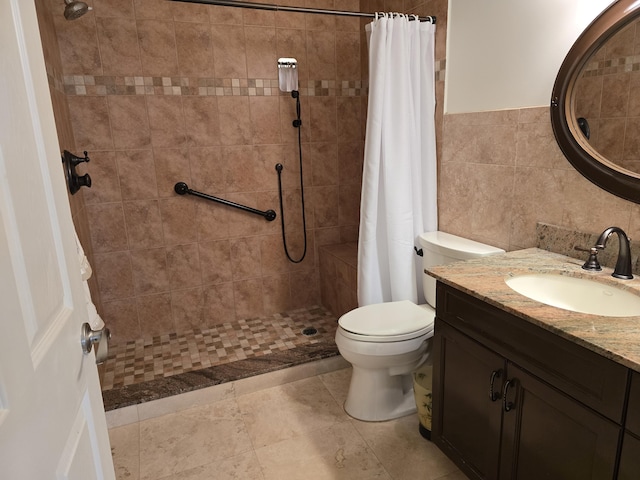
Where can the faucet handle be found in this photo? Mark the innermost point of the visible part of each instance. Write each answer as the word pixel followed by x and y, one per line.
pixel 592 262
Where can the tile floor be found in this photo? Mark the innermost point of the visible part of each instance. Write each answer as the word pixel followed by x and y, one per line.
pixel 287 424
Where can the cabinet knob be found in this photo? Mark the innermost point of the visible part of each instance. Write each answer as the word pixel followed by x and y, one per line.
pixel 506 405
pixel 493 395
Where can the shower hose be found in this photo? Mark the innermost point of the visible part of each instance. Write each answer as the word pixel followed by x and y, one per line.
pixel 297 123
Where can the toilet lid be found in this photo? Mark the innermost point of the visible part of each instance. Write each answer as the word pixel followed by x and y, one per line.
pixel 385 319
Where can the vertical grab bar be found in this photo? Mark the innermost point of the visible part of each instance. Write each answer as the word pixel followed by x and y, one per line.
pixel 182 188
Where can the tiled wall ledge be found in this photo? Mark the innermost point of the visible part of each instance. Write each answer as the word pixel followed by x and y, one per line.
pixel 564 241
pixel 338 277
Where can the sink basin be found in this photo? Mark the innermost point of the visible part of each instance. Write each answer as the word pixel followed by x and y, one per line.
pixel 576 294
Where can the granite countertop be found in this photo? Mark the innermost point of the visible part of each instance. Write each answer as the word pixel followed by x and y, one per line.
pixel 616 338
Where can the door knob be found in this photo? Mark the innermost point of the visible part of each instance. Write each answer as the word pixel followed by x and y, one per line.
pixel 89 337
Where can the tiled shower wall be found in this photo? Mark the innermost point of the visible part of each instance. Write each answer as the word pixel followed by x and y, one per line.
pixel 64 129
pixel 161 92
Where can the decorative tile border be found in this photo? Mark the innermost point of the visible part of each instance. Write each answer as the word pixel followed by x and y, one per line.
pixel 204 86
pixel 188 86
pixel 627 64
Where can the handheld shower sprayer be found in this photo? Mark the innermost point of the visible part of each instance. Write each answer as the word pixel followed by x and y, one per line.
pixel 288 82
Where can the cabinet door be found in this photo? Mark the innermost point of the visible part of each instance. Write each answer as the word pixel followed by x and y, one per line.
pixel 466 423
pixel 547 434
pixel 630 458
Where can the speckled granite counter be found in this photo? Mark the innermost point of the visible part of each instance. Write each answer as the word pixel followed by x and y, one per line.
pixel 616 338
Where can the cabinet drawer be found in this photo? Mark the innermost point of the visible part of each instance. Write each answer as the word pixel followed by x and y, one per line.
pixel 588 377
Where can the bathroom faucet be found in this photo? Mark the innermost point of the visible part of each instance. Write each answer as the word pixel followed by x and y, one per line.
pixel 623 265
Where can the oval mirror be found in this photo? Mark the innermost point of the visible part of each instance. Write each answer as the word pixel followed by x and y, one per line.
pixel 595 104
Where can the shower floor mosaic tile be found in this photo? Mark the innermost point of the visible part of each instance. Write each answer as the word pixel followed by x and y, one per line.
pixel 144 370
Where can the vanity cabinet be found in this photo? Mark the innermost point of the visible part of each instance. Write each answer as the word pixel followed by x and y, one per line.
pixel 514 401
pixel 630 456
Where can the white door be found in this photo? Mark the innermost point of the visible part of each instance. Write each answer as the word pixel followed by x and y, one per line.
pixel 52 423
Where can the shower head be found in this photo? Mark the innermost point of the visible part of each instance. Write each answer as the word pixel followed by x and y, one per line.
pixel 75 9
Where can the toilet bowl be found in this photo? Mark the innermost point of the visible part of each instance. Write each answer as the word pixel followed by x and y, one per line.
pixel 386 342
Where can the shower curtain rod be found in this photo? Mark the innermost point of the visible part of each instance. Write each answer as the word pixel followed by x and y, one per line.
pixel 283 8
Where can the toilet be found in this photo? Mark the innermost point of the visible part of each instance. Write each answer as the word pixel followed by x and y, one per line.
pixel 386 342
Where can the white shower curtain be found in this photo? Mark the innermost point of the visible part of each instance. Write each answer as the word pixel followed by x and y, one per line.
pixel 399 198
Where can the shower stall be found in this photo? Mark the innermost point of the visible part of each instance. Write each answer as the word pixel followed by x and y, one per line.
pixel 160 92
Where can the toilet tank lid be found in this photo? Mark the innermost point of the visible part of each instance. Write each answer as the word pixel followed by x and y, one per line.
pixel 391 318
pixel 455 246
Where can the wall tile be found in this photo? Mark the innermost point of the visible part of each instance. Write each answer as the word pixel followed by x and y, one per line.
pixel 219 304
pixel 261 52
pixel 215 262
pixel 208 170
pixel 225 16
pixel 105 185
pixel 230 58
pixel 136 173
pixel 194 47
pixel 144 227
pixel 348 113
pixel 150 271
pixel 166 121
pixel 323 112
pixel 122 318
pixel 179 224
pixel 348 49
pixel 201 116
pixel 154 314
pixel 119 50
pixel 190 12
pixel 276 292
pixel 153 9
pixel 113 8
pixel 114 274
pixel 172 166
pixel 187 309
pixel 235 121
pixel 129 122
pixel 90 123
pixel 183 266
pixel 245 258
pixel 291 43
pixel 248 298
pixel 323 158
pixel 321 54
pixel 157 47
pixel 107 227
pixel 265 120
pixel 83 60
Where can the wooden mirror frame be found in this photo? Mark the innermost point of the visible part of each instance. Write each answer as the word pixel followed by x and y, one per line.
pixel 591 164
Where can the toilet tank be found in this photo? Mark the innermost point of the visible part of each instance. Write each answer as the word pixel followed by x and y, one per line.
pixel 440 248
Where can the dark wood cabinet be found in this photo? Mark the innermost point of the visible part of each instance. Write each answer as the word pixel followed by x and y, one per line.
pixel 513 401
pixel 630 456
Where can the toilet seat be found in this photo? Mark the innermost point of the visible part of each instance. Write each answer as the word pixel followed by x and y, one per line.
pixel 388 322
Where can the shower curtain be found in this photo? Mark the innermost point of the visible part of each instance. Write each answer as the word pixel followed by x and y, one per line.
pixel 399 198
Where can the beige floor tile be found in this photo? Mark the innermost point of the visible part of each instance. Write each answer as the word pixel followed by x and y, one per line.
pixel 337 383
pixel 403 451
pixel 125 449
pixel 240 467
pixel 191 438
pixel 457 475
pixel 286 411
pixel 334 453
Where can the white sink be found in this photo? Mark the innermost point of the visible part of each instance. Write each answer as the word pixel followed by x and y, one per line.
pixel 576 294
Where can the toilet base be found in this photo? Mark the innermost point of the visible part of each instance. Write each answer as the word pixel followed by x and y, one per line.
pixel 393 396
